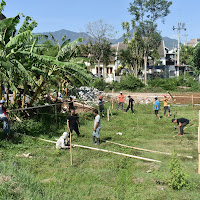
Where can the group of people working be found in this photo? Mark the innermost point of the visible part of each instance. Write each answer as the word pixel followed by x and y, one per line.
pixel 73 123
pixel 181 122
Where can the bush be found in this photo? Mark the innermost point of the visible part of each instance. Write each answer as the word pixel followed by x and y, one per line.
pixel 177 179
pixel 173 83
pixel 128 83
pixel 98 83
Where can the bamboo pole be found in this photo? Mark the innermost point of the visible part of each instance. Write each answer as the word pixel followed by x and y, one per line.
pixel 108 115
pixel 103 150
pixel 122 154
pixel 71 160
pixel 140 149
pixel 199 144
pixel 112 98
pixel 110 110
pixel 192 100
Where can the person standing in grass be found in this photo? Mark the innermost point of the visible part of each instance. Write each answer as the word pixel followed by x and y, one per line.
pixel 166 106
pixel 97 127
pixel 71 104
pixel 121 101
pixel 73 123
pixel 156 107
pixel 4 117
pixel 182 122
pixel 130 104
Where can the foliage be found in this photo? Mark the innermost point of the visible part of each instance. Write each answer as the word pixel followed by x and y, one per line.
pixel 172 84
pixel 99 46
pixel 145 14
pixel 177 177
pixel 196 60
pixel 186 55
pixel 98 83
pixel 129 82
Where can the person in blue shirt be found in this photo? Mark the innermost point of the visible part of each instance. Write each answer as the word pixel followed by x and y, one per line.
pixel 156 107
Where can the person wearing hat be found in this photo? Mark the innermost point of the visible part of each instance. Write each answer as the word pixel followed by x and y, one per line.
pixel 166 106
pixel 130 104
pixel 121 101
pixel 4 118
pixel 101 106
pixel 156 107
pixel 61 144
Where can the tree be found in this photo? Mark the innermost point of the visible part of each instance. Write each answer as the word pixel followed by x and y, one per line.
pixel 99 45
pixel 132 56
pixel 20 63
pixel 145 15
pixel 196 60
pixel 186 55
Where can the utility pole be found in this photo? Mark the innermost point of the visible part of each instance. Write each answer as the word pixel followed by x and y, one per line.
pixel 181 26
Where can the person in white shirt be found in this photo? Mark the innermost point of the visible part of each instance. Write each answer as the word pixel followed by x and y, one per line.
pixel 4 117
pixel 60 144
pixel 97 127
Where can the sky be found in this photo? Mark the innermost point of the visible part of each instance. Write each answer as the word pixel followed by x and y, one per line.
pixel 74 15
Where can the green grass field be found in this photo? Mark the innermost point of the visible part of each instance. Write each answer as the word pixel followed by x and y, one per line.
pixel 99 175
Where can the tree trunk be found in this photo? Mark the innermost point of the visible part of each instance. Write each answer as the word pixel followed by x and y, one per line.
pixel 104 72
pixel 36 93
pixel 66 89
pixel 99 72
pixel 14 97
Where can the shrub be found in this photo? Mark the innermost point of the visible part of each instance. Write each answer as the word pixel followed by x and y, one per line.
pixel 98 83
pixel 177 178
pixel 173 83
pixel 128 83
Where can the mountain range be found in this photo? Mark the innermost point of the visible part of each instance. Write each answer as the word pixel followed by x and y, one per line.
pixel 169 43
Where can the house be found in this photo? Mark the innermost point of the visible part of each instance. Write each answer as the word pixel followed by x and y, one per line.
pixel 193 42
pixel 109 71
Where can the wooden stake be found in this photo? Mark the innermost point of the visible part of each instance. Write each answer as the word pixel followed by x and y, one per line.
pixel 110 110
pixel 108 115
pixel 199 144
pixel 122 154
pixel 112 98
pixel 71 148
pixel 152 151
pixel 192 100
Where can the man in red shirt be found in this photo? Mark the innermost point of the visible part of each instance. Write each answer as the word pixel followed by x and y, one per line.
pixel 121 101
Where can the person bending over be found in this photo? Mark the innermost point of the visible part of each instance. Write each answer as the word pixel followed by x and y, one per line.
pixel 182 122
pixel 61 143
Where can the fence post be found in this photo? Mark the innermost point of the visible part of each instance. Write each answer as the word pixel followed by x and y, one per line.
pixel 112 98
pixel 199 144
pixel 108 114
pixel 192 100
pixel 71 148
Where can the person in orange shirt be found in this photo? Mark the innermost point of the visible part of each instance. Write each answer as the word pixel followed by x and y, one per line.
pixel 121 101
pixel 166 106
